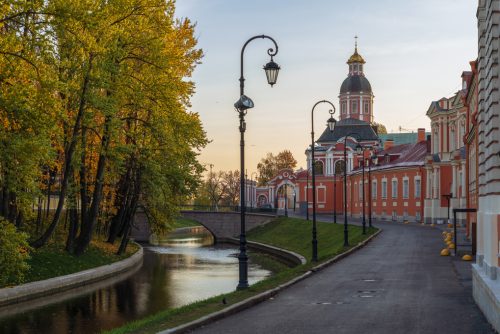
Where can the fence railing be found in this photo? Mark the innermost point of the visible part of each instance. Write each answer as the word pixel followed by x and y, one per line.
pixel 221 208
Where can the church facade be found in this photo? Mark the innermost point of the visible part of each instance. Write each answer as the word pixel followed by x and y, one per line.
pixel 420 180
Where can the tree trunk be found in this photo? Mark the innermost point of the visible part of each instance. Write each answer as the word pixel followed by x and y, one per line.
pixel 39 216
pixel 87 229
pixel 73 221
pixel 67 161
pixel 84 198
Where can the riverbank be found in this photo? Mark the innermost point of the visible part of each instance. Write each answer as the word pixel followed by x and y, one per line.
pixel 54 271
pixel 288 233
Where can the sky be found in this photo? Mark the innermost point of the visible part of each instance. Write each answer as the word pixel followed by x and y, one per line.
pixel 415 52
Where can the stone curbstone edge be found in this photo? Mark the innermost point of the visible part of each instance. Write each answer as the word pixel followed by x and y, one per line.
pixel 55 285
pixel 249 302
pixel 283 254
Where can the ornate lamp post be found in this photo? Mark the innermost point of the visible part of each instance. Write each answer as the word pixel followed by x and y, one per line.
pixel 358 151
pixel 331 125
pixel 334 195
pixel 307 193
pixel 373 159
pixel 252 190
pixel 286 199
pixel 242 105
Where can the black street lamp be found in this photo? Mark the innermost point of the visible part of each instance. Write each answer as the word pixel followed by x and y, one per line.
pixel 334 195
pixel 242 105
pixel 373 159
pixel 331 125
pixel 360 148
pixel 307 194
pixel 358 151
pixel 286 200
pixel 252 190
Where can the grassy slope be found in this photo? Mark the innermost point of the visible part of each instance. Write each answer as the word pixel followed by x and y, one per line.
pixel 53 261
pixel 289 233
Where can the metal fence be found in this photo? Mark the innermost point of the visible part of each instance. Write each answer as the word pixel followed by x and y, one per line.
pixel 235 208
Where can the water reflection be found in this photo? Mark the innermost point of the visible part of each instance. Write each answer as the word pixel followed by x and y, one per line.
pixel 179 270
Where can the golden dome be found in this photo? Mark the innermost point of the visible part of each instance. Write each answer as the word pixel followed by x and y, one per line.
pixel 356 57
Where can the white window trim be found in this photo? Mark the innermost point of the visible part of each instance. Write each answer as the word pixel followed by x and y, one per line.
pixel 394 191
pixel 407 195
pixel 384 182
pixel 417 178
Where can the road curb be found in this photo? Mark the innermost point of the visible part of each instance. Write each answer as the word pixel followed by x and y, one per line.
pixel 249 302
pixel 55 285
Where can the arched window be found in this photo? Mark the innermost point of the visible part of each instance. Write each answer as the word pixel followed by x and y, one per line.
pixel 339 167
pixel 318 167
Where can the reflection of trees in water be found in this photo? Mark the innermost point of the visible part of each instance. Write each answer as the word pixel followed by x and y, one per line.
pixel 126 297
pixel 157 280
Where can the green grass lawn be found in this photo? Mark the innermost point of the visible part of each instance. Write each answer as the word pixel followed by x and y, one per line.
pixel 296 235
pixel 53 260
pixel 288 233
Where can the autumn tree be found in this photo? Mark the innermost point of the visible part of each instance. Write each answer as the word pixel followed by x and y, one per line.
pixel 231 180
pixel 97 92
pixel 380 128
pixel 271 164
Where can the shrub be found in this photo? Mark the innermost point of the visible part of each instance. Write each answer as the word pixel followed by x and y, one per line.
pixel 14 254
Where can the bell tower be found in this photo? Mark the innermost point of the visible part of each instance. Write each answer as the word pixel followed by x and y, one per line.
pixel 356 96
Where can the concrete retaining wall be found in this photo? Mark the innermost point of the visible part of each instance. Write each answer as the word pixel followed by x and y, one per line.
pixel 62 283
pixel 284 255
pixel 486 294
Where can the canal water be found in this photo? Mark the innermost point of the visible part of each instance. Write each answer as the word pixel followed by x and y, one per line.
pixel 183 268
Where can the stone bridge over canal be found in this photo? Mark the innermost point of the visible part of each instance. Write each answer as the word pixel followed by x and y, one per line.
pixel 222 225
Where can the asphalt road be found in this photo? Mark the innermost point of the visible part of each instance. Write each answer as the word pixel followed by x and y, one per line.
pixel 398 283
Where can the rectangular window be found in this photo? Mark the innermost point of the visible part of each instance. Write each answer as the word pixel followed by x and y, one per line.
pixel 321 195
pixel 360 196
pixel 406 189
pixel 384 189
pixel 394 188
pixel 417 188
pixel 343 107
pixel 366 106
pixel 394 216
pixel 354 107
pixel 374 189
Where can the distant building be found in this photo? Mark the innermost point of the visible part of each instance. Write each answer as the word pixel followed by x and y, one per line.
pixel 396 184
pixel 486 270
pixel 445 165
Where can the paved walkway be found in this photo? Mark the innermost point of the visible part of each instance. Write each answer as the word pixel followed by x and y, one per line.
pixel 398 283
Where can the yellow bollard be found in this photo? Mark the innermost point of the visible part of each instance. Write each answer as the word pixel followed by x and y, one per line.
pixel 445 252
pixel 451 245
pixel 467 257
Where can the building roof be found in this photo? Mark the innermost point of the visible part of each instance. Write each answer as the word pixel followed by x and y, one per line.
pixel 401 138
pixel 406 155
pixel 355 84
pixel 361 131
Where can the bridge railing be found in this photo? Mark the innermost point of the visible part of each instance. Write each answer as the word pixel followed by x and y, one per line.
pixel 220 208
